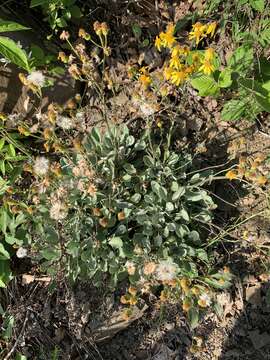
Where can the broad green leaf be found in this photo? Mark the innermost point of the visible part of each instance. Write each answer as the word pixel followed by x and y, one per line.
pixel 264 102
pixel 50 254
pixel 7 26
pixel 253 86
pixel 206 85
pixel 225 79
pixel 242 59
pixel 234 110
pixel 75 12
pixel 257 5
pixel 12 52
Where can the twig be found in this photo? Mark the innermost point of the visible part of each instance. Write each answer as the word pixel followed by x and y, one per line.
pixel 18 338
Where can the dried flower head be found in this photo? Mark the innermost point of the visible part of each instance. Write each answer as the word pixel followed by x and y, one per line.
pixel 149 268
pixel 58 211
pixel 166 271
pixel 65 122
pixel 131 268
pixel 36 78
pixel 64 35
pixel 204 300
pixel 41 166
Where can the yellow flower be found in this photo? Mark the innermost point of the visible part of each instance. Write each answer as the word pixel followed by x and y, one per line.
pixel 207 67
pixel 167 39
pixel 209 54
pixel 211 28
pixel 145 80
pixel 158 43
pixel 167 72
pixel 175 63
pixel 198 32
pixel 170 28
pixel 231 174
pixel 180 50
pixel 261 180
pixel 178 77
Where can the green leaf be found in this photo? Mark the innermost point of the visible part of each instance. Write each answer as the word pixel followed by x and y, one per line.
pixel 7 26
pixel 193 317
pixel 12 52
pixel 35 3
pixel 75 12
pixel 5 273
pixel 116 242
pixel 19 356
pixel 194 236
pixel 242 59
pixel 11 150
pixel 4 255
pixel 264 102
pixel 2 143
pixel 206 85
pixel 136 198
pixel 130 169
pixel 257 5
pixel 50 254
pixel 174 186
pixel 169 207
pixel 137 31
pixel 234 110
pixel 8 327
pixel 225 79
pixel 184 214
pixel 180 192
pixel 149 161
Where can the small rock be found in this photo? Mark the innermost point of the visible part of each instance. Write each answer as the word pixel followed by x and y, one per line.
pixel 253 295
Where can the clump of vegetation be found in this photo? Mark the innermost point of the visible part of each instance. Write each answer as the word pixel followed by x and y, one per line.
pixel 129 205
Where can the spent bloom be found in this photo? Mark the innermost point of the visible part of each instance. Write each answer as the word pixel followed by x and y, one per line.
pixel 130 266
pixel 21 252
pixel 166 271
pixel 64 122
pixel 58 211
pixel 41 166
pixel 36 78
pixel 204 300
